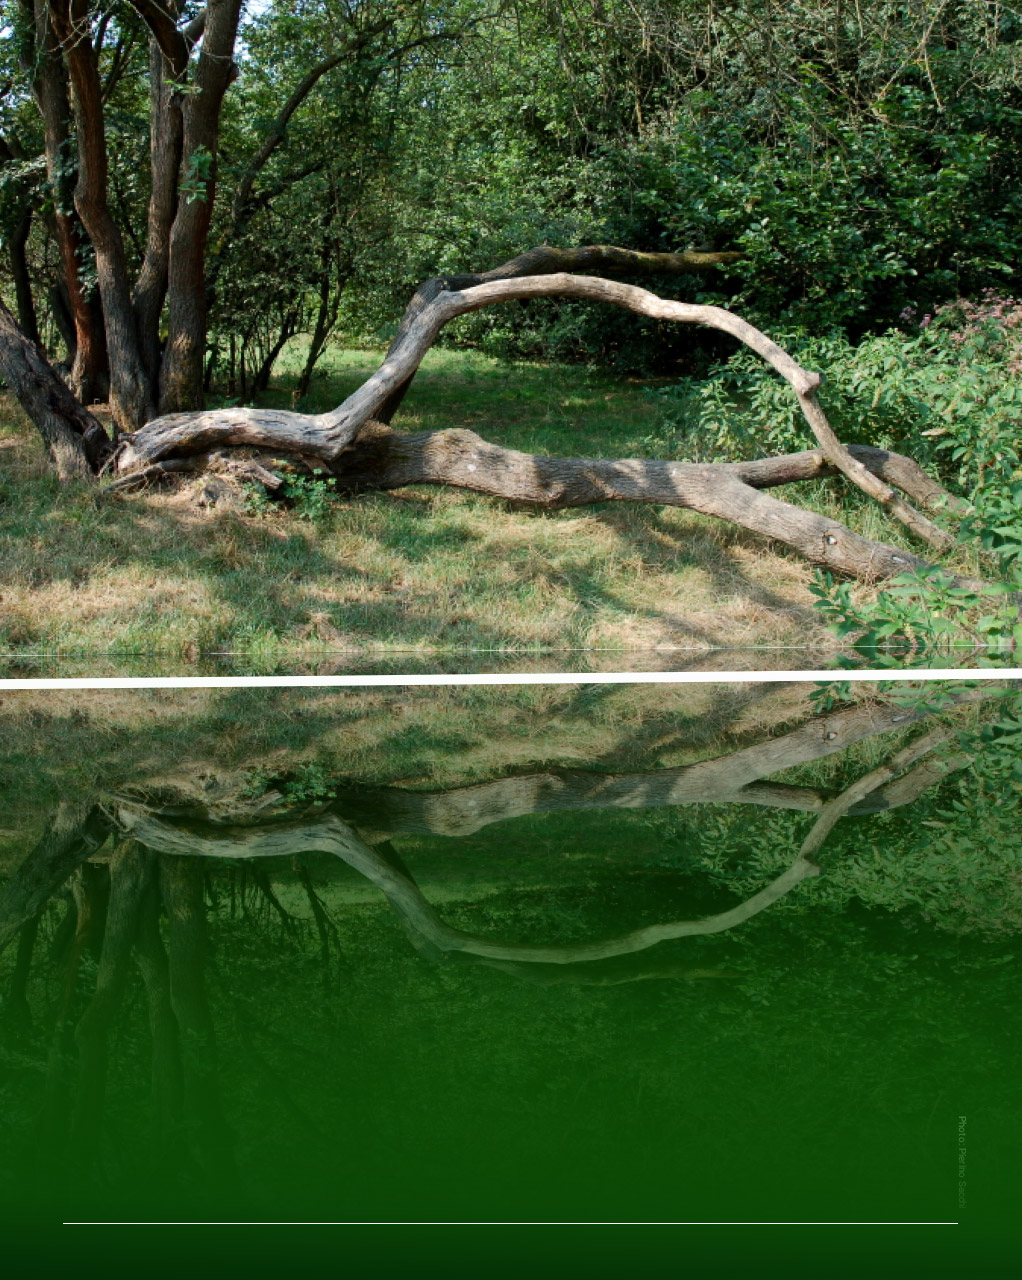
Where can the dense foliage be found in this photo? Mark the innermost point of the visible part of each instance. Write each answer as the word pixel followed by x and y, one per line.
pixel 943 389
pixel 860 158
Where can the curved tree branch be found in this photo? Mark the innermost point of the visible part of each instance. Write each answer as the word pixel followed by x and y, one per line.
pixel 331 834
pixel 362 455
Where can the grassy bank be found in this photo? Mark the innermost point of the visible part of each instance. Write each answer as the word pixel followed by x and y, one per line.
pixel 420 571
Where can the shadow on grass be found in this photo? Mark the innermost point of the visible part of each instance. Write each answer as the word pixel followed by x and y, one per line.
pixel 127 569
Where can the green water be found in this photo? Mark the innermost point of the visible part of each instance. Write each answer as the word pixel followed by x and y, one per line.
pixel 358 988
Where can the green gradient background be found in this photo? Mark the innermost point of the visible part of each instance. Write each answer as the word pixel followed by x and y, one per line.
pixel 817 1076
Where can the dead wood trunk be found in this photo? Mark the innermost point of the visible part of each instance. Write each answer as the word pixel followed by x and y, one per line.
pixel 379 813
pixel 737 778
pixel 329 435
pixel 385 459
pixel 345 442
pixel 420 917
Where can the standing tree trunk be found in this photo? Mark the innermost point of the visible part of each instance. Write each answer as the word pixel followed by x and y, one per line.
pixel 19 271
pixel 181 374
pixel 288 329
pixel 165 133
pixel 89 379
pixel 131 392
pixel 326 317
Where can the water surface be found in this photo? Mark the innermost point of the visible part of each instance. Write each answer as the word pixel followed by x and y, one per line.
pixel 512 955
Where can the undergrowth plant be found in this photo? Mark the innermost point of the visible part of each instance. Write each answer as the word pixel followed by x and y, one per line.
pixel 946 391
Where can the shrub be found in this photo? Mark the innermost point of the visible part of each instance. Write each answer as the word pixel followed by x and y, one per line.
pixel 946 393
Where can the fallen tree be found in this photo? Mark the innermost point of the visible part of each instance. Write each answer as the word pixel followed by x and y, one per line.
pixel 354 447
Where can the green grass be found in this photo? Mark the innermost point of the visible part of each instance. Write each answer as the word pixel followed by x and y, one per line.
pixel 420 572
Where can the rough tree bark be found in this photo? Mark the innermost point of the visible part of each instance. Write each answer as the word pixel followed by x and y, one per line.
pixel 131 392
pixel 182 367
pixel 89 378
pixel 77 444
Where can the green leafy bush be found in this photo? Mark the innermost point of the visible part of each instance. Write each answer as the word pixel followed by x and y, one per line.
pixel 946 394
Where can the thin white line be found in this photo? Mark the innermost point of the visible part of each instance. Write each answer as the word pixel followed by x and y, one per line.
pixel 527 1223
pixel 497 678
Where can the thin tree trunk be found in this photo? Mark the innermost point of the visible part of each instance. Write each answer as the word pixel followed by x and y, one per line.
pixel 166 127
pixel 64 323
pixel 181 373
pixel 20 274
pixel 131 392
pixel 326 317
pixel 262 377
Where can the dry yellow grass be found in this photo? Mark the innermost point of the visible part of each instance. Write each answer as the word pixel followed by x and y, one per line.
pixel 418 572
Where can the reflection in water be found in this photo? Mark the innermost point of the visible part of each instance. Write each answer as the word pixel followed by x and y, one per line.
pixel 302 1060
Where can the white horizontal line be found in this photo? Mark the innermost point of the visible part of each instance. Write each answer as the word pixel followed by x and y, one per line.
pixel 529 1223
pixel 496 678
